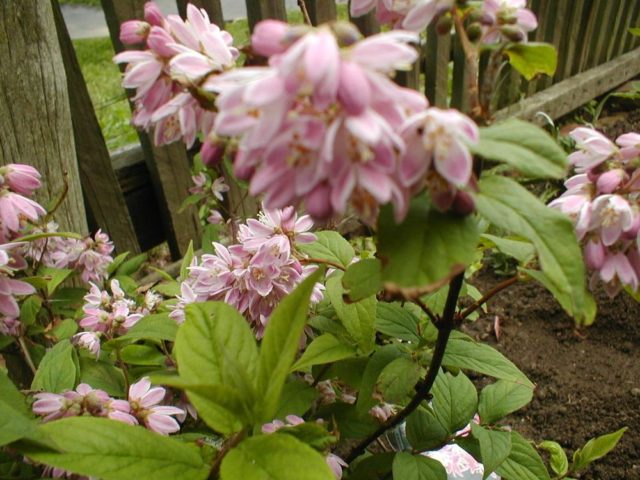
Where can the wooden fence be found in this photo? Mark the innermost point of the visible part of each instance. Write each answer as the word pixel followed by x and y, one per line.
pixel 135 194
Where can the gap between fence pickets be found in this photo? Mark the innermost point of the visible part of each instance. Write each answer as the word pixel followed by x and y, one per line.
pixel 569 94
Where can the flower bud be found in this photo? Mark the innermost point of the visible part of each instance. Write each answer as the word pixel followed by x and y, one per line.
pixel 463 204
pixel 269 37
pixel 346 33
pixel 211 153
pixel 444 24
pixel 512 33
pixel 134 31
pixel 474 31
pixel 153 14
pixel 506 18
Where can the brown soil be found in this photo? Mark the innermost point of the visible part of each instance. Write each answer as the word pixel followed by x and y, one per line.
pixel 588 382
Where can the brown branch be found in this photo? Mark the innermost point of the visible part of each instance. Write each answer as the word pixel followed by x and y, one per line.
pixel 305 13
pixel 425 308
pixel 228 445
pixel 471 66
pixel 321 261
pixel 26 354
pixel 423 388
pixel 487 296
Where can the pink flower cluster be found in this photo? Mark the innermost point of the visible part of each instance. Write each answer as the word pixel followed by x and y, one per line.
pixel 323 124
pixel 110 315
pixel 501 20
pixel 17 183
pixel 413 15
pixel 603 200
pixel 167 75
pixel 142 407
pixel 335 463
pixel 90 257
pixel 255 274
pixel 10 262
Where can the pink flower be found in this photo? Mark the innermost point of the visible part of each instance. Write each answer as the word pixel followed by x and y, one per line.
pixel 134 31
pixel 617 270
pixel 89 341
pixel 144 402
pixel 612 215
pixel 413 15
pixel 22 179
pixel 13 208
pixel 336 464
pixel 594 148
pixel 271 37
pixel 9 288
pixel 215 218
pixel 50 405
pixel 508 20
pixel 382 412
pixel 10 327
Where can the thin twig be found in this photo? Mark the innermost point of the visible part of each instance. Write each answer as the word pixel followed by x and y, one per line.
pixel 471 67
pixel 125 370
pixel 63 195
pixel 228 445
pixel 487 296
pixel 322 261
pixel 423 388
pixel 425 308
pixel 305 13
pixel 26 354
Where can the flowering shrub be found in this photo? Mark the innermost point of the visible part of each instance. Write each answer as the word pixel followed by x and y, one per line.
pixel 287 351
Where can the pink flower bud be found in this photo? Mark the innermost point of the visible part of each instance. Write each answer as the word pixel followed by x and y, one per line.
pixel 609 181
pixel 134 31
pixel 153 14
pixel 594 253
pixel 211 153
pixel 23 179
pixel 269 37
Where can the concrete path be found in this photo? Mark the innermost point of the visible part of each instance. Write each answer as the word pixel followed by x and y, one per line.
pixel 88 22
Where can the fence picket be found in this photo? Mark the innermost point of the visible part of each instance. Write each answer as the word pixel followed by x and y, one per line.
pixel 262 9
pixel 168 165
pixel 103 197
pixel 321 11
pixel 212 7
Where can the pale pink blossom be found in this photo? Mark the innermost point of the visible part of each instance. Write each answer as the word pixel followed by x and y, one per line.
pixel 89 341
pixel 593 149
pixel 413 15
pixel 612 215
pixel 22 179
pixel 144 401
pixel 507 20
pixel 14 210
pixel 336 464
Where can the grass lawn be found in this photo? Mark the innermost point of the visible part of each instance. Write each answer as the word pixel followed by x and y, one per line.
pixel 103 78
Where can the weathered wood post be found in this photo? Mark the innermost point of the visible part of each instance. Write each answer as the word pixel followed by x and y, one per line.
pixel 35 120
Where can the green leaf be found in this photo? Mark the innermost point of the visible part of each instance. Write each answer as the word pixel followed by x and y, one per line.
pixel 397 322
pixel 522 251
pixel 29 310
pixel 417 467
pixel 14 424
pixel 378 361
pixel 280 345
pixel 329 246
pixel 100 447
pixel 635 31
pixel 296 398
pixel 102 375
pixel 57 370
pixel 524 146
pixel 66 300
pixel 10 395
pixel 142 355
pixel 595 449
pixel 156 327
pixel 495 447
pixel 65 329
pixel 274 457
pixel 508 205
pixel 375 467
pixel 215 346
pixel 427 247
pixel 358 318
pixel 113 266
pixel 168 289
pixel 132 265
pixel 531 59
pixel 363 279
pixel 523 463
pixel 455 400
pixel 398 379
pixel 311 433
pixel 558 458
pixel 478 357
pixel 424 431
pixel 186 262
pixel 54 277
pixel 501 398
pixel 324 349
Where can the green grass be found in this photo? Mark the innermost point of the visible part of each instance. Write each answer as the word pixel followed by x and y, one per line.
pixel 103 77
pixel 89 3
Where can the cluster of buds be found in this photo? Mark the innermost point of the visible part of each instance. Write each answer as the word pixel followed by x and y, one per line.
pixel 323 123
pixel 90 256
pixel 10 262
pixel 335 463
pixel 143 406
pixel 255 274
pixel 603 200
pixel 111 314
pixel 492 21
pixel 178 56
